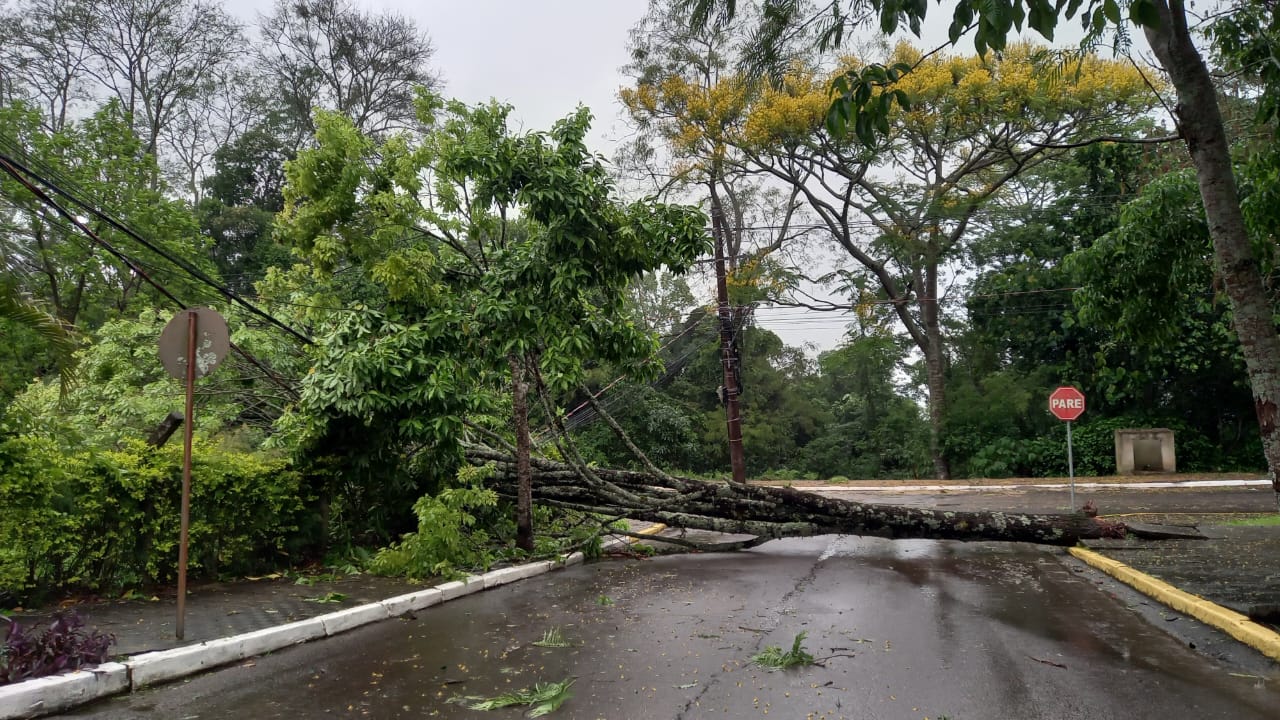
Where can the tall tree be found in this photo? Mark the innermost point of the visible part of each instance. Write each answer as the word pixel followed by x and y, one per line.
pixel 45 59
pixel 498 263
pixel 242 196
pixel 686 94
pixel 1199 120
pixel 681 144
pixel 330 54
pixel 156 55
pixel 103 162
pixel 905 210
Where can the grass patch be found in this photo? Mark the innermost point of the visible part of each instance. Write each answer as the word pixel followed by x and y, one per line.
pixel 1260 521
pixel 553 638
pixel 542 698
pixel 775 658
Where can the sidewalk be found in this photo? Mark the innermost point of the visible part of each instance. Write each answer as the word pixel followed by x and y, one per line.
pixel 230 622
pixel 1236 567
pixel 1229 581
pixel 218 610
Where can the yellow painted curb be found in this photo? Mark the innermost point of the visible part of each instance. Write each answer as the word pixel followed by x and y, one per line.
pixel 653 529
pixel 1231 622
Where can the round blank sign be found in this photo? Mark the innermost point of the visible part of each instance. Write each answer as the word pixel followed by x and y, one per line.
pixel 213 342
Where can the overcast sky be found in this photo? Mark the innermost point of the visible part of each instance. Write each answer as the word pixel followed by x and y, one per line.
pixel 545 57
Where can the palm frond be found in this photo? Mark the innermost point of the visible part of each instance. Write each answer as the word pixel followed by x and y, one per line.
pixel 542 698
pixel 61 337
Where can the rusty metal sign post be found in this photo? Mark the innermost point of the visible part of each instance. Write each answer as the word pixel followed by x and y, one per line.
pixel 191 346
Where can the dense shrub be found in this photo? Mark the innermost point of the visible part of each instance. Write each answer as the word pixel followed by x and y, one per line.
pixel 1006 457
pixel 104 520
pixel 449 537
pixel 64 645
pixel 1095 449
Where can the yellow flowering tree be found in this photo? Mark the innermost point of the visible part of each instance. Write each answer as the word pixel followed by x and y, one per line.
pixel 903 210
pixel 688 104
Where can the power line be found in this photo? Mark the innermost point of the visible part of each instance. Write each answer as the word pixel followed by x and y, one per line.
pixel 8 167
pixel 16 169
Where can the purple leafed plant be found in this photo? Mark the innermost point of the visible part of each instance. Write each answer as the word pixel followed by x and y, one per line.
pixel 64 645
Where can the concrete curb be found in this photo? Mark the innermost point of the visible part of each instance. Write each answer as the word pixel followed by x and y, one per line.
pixel 1231 622
pixel 45 695
pixel 653 529
pixel 42 696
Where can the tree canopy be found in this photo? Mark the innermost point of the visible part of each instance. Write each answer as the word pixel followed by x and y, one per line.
pixel 459 340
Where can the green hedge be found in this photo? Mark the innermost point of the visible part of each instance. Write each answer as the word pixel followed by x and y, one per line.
pixel 108 520
pixel 1093 442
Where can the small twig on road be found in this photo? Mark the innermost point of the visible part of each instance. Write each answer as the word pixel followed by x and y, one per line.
pixel 1048 662
pixel 820 662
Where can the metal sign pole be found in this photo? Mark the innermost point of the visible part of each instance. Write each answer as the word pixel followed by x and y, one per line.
pixel 188 329
pixel 187 431
pixel 1071 468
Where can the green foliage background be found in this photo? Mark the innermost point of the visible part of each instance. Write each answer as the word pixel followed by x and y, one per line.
pixel 426 264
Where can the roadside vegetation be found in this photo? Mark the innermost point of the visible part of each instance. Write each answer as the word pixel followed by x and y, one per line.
pixel 410 280
pixel 1266 521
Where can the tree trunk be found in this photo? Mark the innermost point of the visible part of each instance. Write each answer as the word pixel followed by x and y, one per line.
pixel 524 448
pixel 768 513
pixel 935 366
pixel 1200 122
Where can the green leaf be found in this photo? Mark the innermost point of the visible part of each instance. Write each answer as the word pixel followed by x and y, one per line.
pixel 1111 9
pixel 1144 13
pixel 1042 18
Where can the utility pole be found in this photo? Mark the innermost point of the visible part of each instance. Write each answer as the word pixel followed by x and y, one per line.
pixel 727 357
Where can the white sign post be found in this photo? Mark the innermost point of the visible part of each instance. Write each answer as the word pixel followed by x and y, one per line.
pixel 1067 403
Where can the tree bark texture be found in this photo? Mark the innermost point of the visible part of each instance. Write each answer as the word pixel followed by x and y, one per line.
pixel 935 367
pixel 524 449
pixel 770 512
pixel 1200 122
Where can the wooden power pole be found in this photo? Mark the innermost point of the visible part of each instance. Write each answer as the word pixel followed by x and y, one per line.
pixel 727 356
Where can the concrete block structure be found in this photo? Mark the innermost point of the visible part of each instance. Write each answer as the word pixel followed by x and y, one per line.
pixel 1145 450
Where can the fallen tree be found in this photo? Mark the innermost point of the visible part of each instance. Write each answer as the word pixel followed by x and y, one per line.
pixel 768 513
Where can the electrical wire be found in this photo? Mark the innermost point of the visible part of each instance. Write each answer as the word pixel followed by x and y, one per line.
pixel 18 170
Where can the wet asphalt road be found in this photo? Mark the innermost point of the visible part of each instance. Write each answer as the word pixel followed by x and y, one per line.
pixel 910 629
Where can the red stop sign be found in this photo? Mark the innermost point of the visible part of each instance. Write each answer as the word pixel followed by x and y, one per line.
pixel 1066 403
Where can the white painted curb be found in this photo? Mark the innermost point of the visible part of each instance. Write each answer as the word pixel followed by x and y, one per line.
pixel 458 588
pixel 163 665
pixel 343 620
pixel 494 578
pixel 43 696
pixel 410 602
pixel 270 639
pixel 59 692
